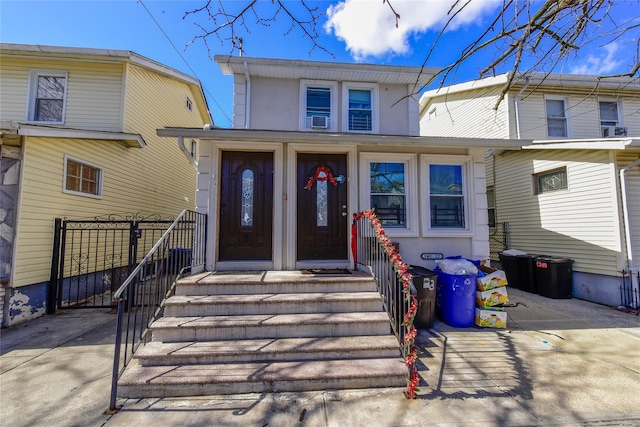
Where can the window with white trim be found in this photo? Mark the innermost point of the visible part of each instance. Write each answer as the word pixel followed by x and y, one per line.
pixel 389 186
pixel 556 117
pixel 548 181
pixel 82 178
pixel 611 118
pixel 447 187
pixel 47 96
pixel 319 105
pixel 360 107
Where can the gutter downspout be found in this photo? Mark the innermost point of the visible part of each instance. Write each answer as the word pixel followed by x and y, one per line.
pixel 247 98
pixel 627 231
pixel 187 153
pixel 516 102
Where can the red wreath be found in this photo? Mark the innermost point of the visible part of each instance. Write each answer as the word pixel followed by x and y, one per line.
pixel 316 177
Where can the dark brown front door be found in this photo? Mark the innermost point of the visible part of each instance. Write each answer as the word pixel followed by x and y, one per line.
pixel 322 215
pixel 246 206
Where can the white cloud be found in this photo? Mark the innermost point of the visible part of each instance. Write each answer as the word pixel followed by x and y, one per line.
pixel 605 61
pixel 368 27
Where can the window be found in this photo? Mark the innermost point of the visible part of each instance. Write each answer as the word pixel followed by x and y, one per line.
pixel 389 185
pixel 388 193
pixel 359 107
pixel 446 196
pixel 360 110
pixel 319 104
pixel 554 180
pixel 556 118
pixel 47 96
pixel 610 119
pixel 189 104
pixel 82 178
pixel 246 211
pixel 491 206
pixel 194 149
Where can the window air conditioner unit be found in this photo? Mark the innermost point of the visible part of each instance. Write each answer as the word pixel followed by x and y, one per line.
pixel 319 122
pixel 613 131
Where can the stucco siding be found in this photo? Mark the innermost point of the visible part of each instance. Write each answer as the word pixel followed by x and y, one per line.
pixel 580 222
pixel 470 114
pixel 267 114
pixel 94 92
pixel 394 110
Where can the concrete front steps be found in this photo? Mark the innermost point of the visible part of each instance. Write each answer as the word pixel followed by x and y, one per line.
pixel 267 332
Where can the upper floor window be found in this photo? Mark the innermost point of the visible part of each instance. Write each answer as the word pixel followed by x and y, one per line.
pixel 556 118
pixel 47 95
pixel 319 103
pixel 553 180
pixel 611 119
pixel 188 103
pixel 82 178
pixel 360 112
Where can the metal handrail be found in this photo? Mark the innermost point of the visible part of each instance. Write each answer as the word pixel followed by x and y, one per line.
pixel 376 253
pixel 141 298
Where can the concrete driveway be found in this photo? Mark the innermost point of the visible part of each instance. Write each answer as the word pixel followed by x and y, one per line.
pixel 559 362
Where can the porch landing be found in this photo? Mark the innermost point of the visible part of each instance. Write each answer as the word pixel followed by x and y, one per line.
pixel 266 331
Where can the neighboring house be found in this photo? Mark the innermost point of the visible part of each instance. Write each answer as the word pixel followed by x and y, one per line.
pixel 575 191
pixel 315 142
pixel 78 133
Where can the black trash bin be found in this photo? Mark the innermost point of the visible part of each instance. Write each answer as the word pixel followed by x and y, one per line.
pixel 554 276
pixel 519 271
pixel 425 281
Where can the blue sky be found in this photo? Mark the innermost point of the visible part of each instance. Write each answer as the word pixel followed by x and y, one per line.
pixel 352 30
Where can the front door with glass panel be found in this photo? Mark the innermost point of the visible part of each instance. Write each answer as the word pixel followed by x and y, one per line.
pixel 246 206
pixel 322 216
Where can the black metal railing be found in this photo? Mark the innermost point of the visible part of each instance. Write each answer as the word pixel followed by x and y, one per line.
pixel 140 299
pixel 629 295
pixel 372 256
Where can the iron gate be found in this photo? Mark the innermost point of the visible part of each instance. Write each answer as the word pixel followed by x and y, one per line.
pixel 91 258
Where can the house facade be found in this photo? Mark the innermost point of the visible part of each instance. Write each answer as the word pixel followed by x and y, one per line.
pixel 78 137
pixel 575 191
pixel 313 143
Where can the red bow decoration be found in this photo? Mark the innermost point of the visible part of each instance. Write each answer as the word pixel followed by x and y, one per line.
pixel 317 177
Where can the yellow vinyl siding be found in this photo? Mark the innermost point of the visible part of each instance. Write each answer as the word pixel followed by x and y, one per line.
pixel 94 91
pixel 157 179
pixel 580 223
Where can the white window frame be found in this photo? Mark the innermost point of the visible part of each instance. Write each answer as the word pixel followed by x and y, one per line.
pixel 618 103
pixel 34 74
pixel 410 161
pixel 333 118
pixel 188 103
pixel 375 110
pixel 535 181
pixel 81 193
pixel 567 118
pixel 468 194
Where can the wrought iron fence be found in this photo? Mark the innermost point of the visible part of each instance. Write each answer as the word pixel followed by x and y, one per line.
pixel 92 257
pixel 140 299
pixel 629 295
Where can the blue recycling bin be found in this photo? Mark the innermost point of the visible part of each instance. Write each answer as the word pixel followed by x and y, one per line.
pixel 456 299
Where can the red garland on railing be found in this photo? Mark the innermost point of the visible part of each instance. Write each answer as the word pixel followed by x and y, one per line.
pixel 401 269
pixel 316 177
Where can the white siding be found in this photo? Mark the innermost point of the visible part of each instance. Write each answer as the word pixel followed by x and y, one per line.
pixel 470 114
pixel 579 223
pixel 633 201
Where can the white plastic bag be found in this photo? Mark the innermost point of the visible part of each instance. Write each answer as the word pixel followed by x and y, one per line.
pixel 457 266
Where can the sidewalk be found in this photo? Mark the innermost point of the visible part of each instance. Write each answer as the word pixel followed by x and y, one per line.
pixel 559 362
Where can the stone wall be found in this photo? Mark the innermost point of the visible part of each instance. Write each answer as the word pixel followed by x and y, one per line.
pixel 10 163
